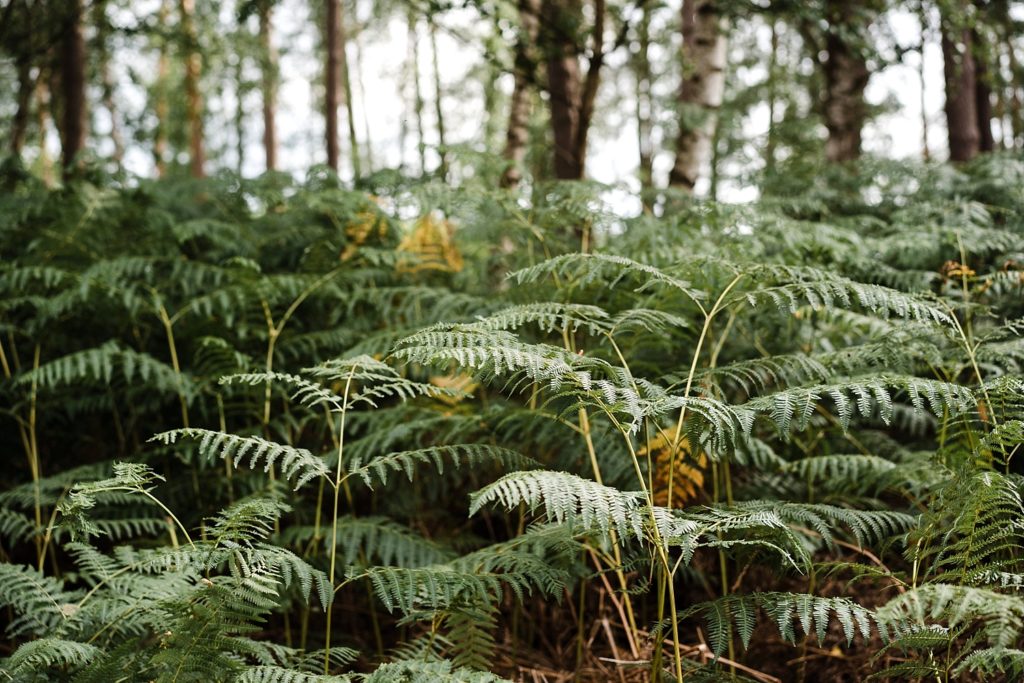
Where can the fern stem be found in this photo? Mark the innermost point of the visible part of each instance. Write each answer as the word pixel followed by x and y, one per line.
pixel 676 441
pixel 334 521
pixel 173 348
pixel 37 504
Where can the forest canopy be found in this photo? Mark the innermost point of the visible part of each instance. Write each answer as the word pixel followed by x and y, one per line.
pixel 511 340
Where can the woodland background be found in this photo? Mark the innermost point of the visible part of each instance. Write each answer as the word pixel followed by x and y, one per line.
pixel 408 395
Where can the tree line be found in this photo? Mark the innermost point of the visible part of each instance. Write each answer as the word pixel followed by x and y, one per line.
pixel 560 53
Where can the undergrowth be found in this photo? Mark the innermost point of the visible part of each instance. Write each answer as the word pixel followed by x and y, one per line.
pixel 273 431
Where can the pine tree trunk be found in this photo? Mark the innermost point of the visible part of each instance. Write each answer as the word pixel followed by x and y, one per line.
pixel 442 169
pixel 564 86
pixel 773 101
pixel 846 76
pixel 922 16
pixel 193 98
pixel 269 87
pixel 19 126
pixel 703 87
pixel 961 103
pixel 102 25
pixel 240 90
pixel 1014 106
pixel 72 87
pixel 332 76
pixel 518 134
pixel 160 108
pixel 358 68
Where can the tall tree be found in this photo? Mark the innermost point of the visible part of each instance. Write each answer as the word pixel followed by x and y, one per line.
pixel 442 143
pixel 71 63
pixel 332 77
pixel 702 89
pixel 524 69
pixel 346 85
pixel 571 93
pixel 163 68
pixel 846 75
pixel 644 104
pixel 268 82
pixel 193 96
pixel 961 97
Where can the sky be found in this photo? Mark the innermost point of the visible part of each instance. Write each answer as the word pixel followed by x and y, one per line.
pixel 612 156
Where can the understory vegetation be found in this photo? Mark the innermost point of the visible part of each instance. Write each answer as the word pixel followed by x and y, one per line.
pixel 259 430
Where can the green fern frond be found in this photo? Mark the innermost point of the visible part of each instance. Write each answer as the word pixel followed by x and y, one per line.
pixel 295 463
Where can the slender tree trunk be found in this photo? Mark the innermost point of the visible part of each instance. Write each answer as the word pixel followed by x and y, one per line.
pixel 418 103
pixel 644 107
pixel 240 90
pixel 588 97
pixel 193 98
pixel 922 16
pixel 332 76
pixel 358 68
pixel 106 79
pixel 773 101
pixel 72 86
pixel 846 76
pixel 564 86
pixel 442 169
pixel 703 87
pixel 346 84
pixel 268 82
pixel 982 96
pixel 160 108
pixel 518 135
pixel 961 103
pixel 1014 106
pixel 19 126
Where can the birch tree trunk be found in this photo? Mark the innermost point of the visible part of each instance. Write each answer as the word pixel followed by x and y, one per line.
pixel 193 98
pixel 703 86
pixel 518 136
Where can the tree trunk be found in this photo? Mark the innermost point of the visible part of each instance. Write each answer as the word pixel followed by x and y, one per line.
pixel 193 98
pixel 102 25
pixel 922 16
pixel 358 68
pixel 1015 109
pixel 19 126
pixel 162 70
pixel 644 107
pixel 961 103
pixel 240 90
pixel 43 96
pixel 773 101
pixel 846 76
pixel 518 135
pixel 332 81
pixel 72 87
pixel 982 96
pixel 268 53
pixel 564 87
pixel 418 104
pixel 346 85
pixel 442 169
pixel 703 86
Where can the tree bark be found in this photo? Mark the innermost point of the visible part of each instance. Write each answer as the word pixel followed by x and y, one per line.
pixel 644 107
pixel 160 108
pixel 19 126
pixel 703 86
pixel 982 96
pixel 332 77
pixel 193 98
pixel 961 103
pixel 773 101
pixel 346 86
pixel 442 144
pixel 518 134
pixel 564 86
pixel 269 87
pixel 846 76
pixel 417 92
pixel 72 87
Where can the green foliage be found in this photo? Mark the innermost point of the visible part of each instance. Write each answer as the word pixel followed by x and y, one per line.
pixel 367 471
